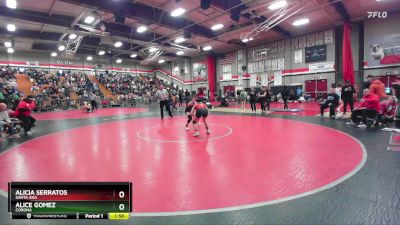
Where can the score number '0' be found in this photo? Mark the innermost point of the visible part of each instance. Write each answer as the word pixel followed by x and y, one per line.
pixel 121 194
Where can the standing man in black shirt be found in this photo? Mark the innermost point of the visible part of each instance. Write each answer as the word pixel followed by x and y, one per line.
pixel 332 101
pixel 347 96
pixel 285 97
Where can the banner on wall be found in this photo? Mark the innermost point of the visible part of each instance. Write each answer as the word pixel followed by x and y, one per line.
pixel 199 72
pixel 253 80
pixel 383 49
pixel 240 80
pixel 321 67
pixel 278 78
pixel 264 80
pixel 32 63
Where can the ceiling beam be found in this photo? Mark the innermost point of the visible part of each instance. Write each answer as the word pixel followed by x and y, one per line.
pixel 238 6
pixel 38 17
pixel 66 21
pixel 341 9
pixel 31 34
pixel 145 14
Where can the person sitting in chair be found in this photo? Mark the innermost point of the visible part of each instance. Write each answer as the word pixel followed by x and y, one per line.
pixel 369 108
pixel 387 110
pixel 24 111
pixel 5 122
pixel 331 102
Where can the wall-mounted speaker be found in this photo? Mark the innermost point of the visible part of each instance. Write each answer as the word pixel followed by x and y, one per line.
pixel 205 4
pixel 119 19
pixel 244 68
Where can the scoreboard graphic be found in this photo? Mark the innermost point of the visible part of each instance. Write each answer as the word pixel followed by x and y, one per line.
pixel 70 200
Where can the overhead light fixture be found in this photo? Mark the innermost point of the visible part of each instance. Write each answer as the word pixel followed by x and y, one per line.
pixel 153 49
pixel 207 48
pixel 217 26
pixel 10 50
pixel 11 27
pixel 141 29
pixel 72 36
pixel 161 61
pixel 301 22
pixel 176 69
pixel 89 58
pixel 245 40
pixel 89 19
pixel 134 55
pixel 180 52
pixel 250 39
pixel 180 40
pixel 8 44
pixel 61 48
pixel 119 61
pixel 277 5
pixel 12 4
pixel 102 52
pixel 53 54
pixel 117 44
pixel 178 12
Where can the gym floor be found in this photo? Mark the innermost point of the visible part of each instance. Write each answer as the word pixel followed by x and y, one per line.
pixel 280 168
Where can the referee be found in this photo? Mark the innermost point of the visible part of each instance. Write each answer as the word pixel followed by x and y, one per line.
pixel 162 96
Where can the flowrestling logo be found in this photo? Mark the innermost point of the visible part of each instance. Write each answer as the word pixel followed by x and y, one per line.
pixel 377 15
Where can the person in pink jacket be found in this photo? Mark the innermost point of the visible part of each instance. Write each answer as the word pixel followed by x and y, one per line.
pixel 369 107
pixel 24 111
pixel 388 110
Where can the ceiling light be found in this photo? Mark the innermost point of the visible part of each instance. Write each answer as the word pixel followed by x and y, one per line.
pixel 89 58
pixel 61 48
pixel 161 61
pixel 119 61
pixel 250 39
pixel 217 26
pixel 301 22
pixel 180 40
pixel 277 5
pixel 117 44
pixel 207 48
pixel 72 36
pixel 245 40
pixel 176 69
pixel 8 44
pixel 12 4
pixel 180 53
pixel 89 19
pixel 53 54
pixel 11 27
pixel 10 50
pixel 178 12
pixel 141 29
pixel 102 52
pixel 153 49
pixel 133 55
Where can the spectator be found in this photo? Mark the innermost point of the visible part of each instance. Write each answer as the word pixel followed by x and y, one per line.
pixel 23 112
pixel 378 88
pixel 348 91
pixel 6 122
pixel 369 107
pixel 387 110
pixel 367 83
pixel 332 101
